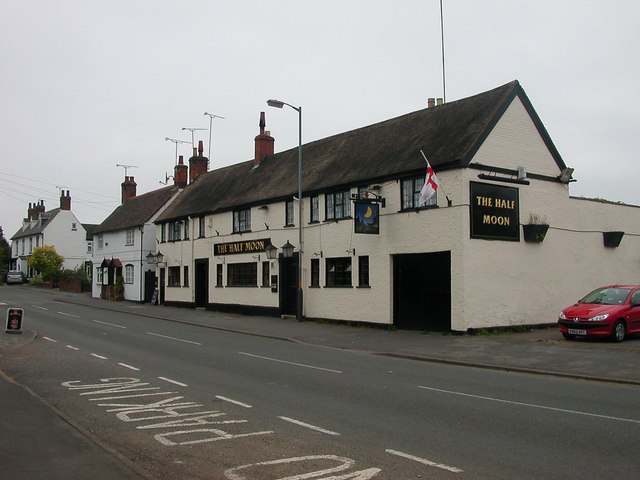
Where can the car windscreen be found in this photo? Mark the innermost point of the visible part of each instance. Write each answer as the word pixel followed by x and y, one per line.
pixel 607 296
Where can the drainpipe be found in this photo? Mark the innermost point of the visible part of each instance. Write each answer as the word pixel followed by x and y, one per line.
pixel 141 269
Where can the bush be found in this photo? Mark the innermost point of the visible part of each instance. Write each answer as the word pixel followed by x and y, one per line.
pixel 74 274
pixel 119 288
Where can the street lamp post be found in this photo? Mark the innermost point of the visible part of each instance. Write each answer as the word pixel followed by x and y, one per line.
pixel 280 104
pixel 211 117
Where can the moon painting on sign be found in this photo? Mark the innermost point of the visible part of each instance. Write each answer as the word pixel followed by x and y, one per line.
pixel 367 218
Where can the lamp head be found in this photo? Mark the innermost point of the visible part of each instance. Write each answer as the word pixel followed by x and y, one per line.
pixel 275 103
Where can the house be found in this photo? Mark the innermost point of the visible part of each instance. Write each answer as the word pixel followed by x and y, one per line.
pixel 123 240
pixel 372 252
pixel 58 228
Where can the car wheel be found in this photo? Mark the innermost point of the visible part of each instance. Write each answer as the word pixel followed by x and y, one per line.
pixel 619 331
pixel 568 336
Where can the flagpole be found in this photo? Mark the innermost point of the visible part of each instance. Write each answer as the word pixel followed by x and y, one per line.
pixel 439 186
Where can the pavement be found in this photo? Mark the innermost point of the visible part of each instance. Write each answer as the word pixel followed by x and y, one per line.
pixel 540 351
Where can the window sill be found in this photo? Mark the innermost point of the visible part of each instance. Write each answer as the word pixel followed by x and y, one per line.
pixel 329 220
pixel 338 286
pixel 242 286
pixel 417 209
pixel 363 286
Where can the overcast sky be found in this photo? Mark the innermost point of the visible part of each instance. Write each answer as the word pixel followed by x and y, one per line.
pixel 86 85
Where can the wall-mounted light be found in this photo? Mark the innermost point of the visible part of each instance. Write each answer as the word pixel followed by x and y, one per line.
pixel 256 257
pixel 267 226
pixel 351 251
pixel 287 250
pixel 271 251
pixel 317 254
pixel 217 233
pixel 222 260
pixel 263 207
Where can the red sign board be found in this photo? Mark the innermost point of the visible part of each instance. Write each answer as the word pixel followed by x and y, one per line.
pixel 14 320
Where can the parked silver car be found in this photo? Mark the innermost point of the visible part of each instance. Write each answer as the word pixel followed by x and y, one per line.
pixel 15 276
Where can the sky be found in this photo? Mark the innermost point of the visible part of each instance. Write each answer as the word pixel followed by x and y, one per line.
pixel 88 85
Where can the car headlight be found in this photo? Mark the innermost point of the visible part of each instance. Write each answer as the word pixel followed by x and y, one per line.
pixel 599 318
pixel 562 316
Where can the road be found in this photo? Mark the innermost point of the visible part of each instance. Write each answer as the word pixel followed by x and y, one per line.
pixel 185 401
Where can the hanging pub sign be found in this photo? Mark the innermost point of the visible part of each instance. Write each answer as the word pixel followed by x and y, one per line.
pixel 495 212
pixel 245 246
pixel 367 217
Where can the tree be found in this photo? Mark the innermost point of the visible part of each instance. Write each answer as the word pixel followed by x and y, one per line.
pixel 46 261
pixel 5 251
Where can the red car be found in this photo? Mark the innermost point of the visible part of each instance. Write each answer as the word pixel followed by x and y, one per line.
pixel 612 312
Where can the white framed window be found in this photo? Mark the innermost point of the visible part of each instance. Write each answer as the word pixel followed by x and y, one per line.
pixel 130 236
pixel 74 226
pixel 89 247
pixel 100 241
pixel 128 273
pixel 99 275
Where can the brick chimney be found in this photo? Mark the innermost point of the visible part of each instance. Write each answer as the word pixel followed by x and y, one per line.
pixel 198 163
pixel 128 189
pixel 65 200
pixel 180 173
pixel 264 143
pixel 38 210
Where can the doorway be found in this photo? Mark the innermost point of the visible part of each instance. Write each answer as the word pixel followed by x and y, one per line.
pixel 202 282
pixel 422 291
pixel 288 284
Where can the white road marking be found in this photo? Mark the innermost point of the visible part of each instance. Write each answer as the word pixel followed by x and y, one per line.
pixel 532 405
pixel 235 402
pixel 173 338
pixel 110 324
pixel 72 347
pixel 50 339
pixel 129 367
pixel 173 381
pixel 290 363
pixel 306 425
pixel 424 461
pixel 69 315
pixel 99 356
pixel 36 306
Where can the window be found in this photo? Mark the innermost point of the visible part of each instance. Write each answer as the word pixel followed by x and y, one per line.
pixel 265 274
pixel 100 242
pixel 174 231
pixel 201 231
pixel 74 226
pixel 130 236
pixel 338 205
pixel 163 232
pixel 99 275
pixel 288 213
pixel 186 228
pixel 363 271
pixel 128 273
pixel 411 194
pixel 30 244
pixel 315 272
pixel 338 272
pixel 185 278
pixel 174 277
pixel 315 209
pixel 242 275
pixel 89 247
pixel 219 275
pixel 242 221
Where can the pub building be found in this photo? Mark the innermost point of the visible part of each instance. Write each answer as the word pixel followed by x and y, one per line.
pixel 501 243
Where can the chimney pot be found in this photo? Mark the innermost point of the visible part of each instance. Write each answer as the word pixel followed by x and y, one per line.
pixel 439 101
pixel 431 102
pixel 264 143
